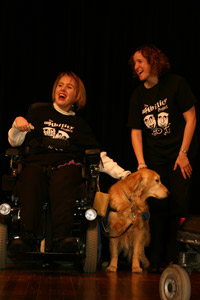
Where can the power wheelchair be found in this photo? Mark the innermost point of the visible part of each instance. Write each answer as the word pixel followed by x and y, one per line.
pixel 175 279
pixel 86 228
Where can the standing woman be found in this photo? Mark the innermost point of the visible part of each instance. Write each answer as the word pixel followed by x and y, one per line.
pixel 162 118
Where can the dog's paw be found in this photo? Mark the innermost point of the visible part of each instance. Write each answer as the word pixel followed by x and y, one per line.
pixel 137 270
pixel 111 268
pixel 145 262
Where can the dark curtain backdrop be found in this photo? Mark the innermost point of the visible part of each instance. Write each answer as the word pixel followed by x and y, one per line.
pixel 95 40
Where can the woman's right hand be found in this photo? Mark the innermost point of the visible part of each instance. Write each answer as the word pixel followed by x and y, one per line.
pixel 23 125
pixel 141 166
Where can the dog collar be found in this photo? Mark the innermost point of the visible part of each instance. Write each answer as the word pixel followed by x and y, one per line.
pixel 145 215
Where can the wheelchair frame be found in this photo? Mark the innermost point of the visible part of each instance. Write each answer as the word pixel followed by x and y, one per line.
pixel 84 230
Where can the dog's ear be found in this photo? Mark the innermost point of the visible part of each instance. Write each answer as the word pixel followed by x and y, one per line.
pixel 134 182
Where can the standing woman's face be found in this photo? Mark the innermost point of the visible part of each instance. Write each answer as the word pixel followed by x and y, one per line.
pixel 141 66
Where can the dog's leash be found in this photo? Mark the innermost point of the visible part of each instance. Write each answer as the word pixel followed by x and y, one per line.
pixel 145 217
pixel 106 228
pixel 106 231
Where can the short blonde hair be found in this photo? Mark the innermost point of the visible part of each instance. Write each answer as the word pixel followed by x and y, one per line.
pixel 80 89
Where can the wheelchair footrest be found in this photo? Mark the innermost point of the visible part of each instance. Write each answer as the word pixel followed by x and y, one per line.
pixel 188 237
pixel 47 256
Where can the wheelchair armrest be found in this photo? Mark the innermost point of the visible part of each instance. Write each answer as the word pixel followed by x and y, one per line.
pixel 14 156
pixel 92 156
pixel 11 152
pixel 92 151
pixel 91 164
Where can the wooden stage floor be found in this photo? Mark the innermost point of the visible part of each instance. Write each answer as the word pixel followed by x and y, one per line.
pixel 60 282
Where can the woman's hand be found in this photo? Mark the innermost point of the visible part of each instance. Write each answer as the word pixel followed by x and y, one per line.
pixel 142 166
pixel 184 164
pixel 23 125
pixel 182 160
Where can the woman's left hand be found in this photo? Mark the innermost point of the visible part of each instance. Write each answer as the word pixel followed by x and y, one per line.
pixel 184 164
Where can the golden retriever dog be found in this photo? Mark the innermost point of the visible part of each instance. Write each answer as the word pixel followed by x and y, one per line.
pixel 129 231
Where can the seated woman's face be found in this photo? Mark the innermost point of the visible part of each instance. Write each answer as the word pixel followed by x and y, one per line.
pixel 65 93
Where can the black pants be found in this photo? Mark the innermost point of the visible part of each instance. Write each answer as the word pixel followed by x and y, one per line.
pixel 59 188
pixel 166 213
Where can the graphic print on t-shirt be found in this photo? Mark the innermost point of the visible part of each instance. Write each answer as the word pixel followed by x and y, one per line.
pixel 156 118
pixel 57 130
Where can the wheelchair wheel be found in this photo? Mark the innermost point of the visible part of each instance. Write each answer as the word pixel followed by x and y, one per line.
pixel 3 245
pixel 91 255
pixel 175 284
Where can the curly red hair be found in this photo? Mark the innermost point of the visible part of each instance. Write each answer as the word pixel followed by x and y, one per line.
pixel 158 61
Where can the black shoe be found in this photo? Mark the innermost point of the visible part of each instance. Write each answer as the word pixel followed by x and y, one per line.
pixel 66 245
pixel 25 243
pixel 21 245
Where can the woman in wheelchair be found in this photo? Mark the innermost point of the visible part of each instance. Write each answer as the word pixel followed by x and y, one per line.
pixel 53 139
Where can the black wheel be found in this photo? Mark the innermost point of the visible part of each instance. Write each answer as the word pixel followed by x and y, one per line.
pixel 174 284
pixel 3 245
pixel 91 251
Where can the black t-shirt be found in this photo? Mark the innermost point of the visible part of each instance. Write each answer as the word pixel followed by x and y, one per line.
pixel 158 112
pixel 57 138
